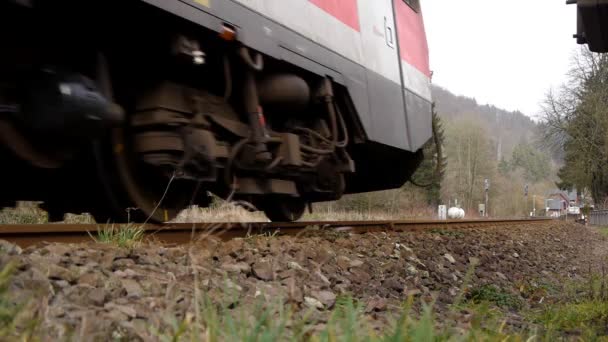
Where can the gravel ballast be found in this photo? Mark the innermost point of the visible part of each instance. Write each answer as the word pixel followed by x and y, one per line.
pixel 100 290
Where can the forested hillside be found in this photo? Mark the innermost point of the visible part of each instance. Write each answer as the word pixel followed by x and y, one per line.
pixel 485 142
pixel 507 128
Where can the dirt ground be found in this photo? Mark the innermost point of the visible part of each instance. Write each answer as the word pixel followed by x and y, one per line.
pixel 103 291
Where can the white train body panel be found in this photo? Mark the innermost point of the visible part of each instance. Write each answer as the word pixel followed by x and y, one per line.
pixel 391 48
pixel 312 22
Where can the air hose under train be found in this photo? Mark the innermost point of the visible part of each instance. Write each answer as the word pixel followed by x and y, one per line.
pixel 437 143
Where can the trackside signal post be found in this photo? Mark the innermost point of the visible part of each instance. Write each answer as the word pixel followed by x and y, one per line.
pixel 486 185
pixel 526 198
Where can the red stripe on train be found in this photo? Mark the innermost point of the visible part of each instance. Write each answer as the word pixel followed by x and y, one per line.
pixel 412 37
pixel 346 11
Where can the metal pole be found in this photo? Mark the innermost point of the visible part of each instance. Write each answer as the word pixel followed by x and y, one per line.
pixel 487 189
pixel 486 205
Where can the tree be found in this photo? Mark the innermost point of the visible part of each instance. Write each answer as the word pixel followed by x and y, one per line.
pixel 503 167
pixel 431 172
pixel 534 163
pixel 575 121
pixel 471 158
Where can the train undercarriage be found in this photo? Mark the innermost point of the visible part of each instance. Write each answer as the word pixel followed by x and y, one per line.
pixel 131 114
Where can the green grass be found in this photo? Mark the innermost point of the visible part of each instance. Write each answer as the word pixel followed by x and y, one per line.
pixel 127 236
pixel 603 230
pixel 588 320
pixel 580 312
pixel 347 322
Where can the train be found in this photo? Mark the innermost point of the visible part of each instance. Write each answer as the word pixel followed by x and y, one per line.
pixel 134 110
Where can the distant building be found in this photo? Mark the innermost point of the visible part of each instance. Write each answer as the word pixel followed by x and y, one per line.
pixel 557 203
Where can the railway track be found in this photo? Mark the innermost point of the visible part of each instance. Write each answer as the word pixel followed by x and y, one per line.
pixel 180 233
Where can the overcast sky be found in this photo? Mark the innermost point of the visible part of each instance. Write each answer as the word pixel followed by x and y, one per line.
pixel 506 53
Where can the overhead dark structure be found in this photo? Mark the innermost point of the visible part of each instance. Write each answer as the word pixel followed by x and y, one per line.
pixel 592 24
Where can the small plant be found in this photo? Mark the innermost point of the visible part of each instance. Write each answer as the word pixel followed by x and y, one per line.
pixel 495 295
pixel 14 321
pixel 122 236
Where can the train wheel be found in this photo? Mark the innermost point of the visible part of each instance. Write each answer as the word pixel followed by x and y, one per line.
pixel 134 193
pixel 284 209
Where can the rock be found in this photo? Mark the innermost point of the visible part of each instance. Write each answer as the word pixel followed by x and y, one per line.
pixel 515 255
pixel 328 298
pixel 501 276
pixel 230 285
pixel 126 310
pixel 91 279
pixel 424 274
pixel 133 288
pixel 356 263
pixel 376 304
pixel 149 258
pixel 263 270
pixel 414 292
pixel 322 278
pixel 123 263
pixel 58 249
pixel 294 266
pixel 120 274
pixel 62 283
pixel 411 270
pixel 404 248
pixel 453 291
pixel 313 303
pixel 450 258
pixel 240 267
pixel 9 248
pixel 233 247
pixel 417 262
pixel 60 273
pixel 34 279
pixel 293 291
pixel 343 262
pixel 97 296
pixel 474 261
pixel 324 255
pixel 359 276
pixel 394 284
pixel 287 274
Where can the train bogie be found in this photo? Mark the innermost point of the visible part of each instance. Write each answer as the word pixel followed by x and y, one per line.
pixel 134 110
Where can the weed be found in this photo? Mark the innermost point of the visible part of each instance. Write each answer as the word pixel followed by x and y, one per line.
pixel 495 295
pixel 127 236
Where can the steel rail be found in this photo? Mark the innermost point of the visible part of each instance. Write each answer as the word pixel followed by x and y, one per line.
pixel 179 233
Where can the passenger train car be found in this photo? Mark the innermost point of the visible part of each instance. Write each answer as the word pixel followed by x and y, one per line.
pixel 136 109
